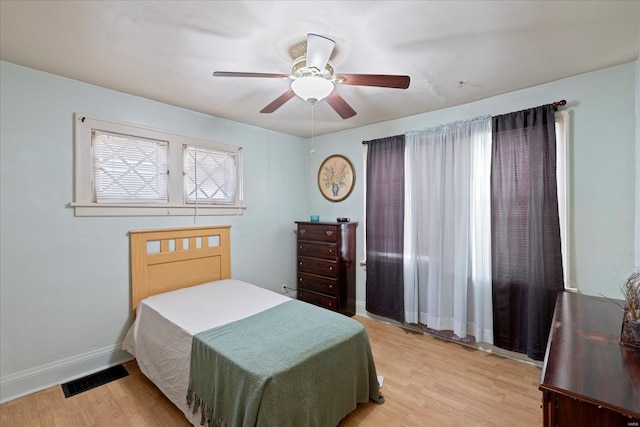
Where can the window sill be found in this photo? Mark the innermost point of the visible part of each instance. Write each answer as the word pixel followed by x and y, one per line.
pixel 88 209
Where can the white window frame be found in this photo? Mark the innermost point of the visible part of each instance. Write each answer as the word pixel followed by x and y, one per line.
pixel 128 169
pixel 224 183
pixel 564 191
pixel 176 205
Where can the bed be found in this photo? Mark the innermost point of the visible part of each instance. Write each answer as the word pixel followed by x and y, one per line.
pixel 229 353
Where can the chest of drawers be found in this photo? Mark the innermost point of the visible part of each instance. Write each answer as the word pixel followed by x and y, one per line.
pixel 326 254
pixel 588 377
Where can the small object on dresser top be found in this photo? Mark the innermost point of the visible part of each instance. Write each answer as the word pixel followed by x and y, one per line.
pixel 342 219
pixel 314 218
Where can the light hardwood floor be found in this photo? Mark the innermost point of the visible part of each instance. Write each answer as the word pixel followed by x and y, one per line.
pixel 427 382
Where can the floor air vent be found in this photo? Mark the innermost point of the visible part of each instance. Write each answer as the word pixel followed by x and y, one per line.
pixel 94 380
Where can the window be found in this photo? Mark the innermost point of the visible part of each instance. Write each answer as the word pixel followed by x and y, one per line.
pixel 562 126
pixel 209 175
pixel 126 170
pixel 562 176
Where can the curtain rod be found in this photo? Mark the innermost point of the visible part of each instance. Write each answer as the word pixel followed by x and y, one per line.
pixel 560 103
pixel 556 104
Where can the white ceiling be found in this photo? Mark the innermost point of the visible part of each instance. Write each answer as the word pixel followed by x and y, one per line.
pixel 167 50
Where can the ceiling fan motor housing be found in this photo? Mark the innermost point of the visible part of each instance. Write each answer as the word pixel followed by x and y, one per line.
pixel 299 69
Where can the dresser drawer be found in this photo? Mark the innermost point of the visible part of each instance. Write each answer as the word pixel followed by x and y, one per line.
pixel 320 300
pixel 319 232
pixel 318 266
pixel 319 250
pixel 318 284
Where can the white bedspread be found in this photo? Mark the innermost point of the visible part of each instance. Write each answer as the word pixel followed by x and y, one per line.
pixel 160 337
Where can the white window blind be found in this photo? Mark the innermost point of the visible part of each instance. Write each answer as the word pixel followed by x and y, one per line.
pixel 209 175
pixel 128 169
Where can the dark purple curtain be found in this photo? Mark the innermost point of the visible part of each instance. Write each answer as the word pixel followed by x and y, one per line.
pixel 526 253
pixel 385 223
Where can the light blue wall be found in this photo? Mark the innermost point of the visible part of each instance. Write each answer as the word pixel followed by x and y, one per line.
pixel 603 205
pixel 64 281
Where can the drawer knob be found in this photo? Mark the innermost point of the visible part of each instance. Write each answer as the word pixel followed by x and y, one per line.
pixel 302 231
pixel 330 286
pixel 300 263
pixel 300 247
pixel 330 251
pixel 330 268
pixel 329 232
pixel 300 280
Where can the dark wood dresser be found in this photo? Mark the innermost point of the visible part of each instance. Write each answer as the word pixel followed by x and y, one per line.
pixel 327 265
pixel 588 377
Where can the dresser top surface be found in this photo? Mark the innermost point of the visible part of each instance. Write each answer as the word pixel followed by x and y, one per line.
pixel 325 222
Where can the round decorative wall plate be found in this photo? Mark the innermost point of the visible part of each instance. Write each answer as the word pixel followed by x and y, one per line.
pixel 336 178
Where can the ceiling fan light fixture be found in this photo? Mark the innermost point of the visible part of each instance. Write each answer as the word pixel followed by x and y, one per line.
pixel 312 88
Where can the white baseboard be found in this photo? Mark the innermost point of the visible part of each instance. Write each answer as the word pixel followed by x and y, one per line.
pixel 39 378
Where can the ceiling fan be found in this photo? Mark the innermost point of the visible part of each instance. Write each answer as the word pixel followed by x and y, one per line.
pixel 314 78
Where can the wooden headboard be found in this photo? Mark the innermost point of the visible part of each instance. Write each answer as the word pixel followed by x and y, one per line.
pixel 168 259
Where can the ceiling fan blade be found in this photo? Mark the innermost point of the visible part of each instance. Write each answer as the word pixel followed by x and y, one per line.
pixel 236 74
pixel 340 105
pixel 378 80
pixel 319 50
pixel 278 102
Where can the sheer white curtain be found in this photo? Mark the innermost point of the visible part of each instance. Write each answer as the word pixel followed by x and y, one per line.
pixel 447 228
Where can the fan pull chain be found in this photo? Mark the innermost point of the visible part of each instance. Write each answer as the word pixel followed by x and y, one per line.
pixel 195 173
pixel 312 124
pixel 313 150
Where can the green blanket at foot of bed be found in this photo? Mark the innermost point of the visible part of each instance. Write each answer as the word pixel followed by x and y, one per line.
pixel 292 365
